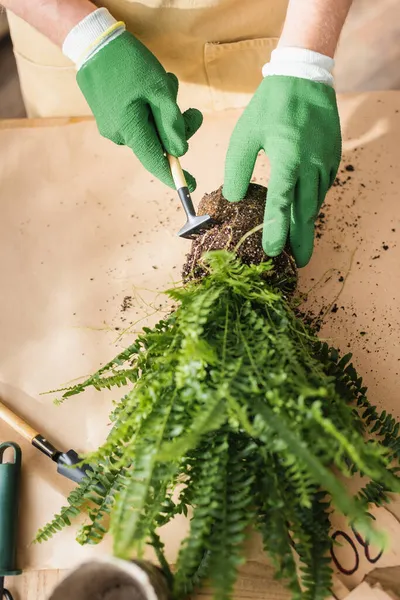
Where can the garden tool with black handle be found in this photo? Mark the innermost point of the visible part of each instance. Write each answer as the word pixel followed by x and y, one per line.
pixel 10 473
pixel 194 224
pixel 69 464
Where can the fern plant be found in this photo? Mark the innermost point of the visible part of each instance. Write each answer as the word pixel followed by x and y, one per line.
pixel 233 404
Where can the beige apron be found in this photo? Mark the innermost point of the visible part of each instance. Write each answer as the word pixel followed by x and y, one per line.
pixel 215 47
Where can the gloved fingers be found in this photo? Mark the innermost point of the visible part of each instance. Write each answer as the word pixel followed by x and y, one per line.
pixel 170 123
pixel 304 212
pixel 332 177
pixel 153 158
pixel 190 180
pixel 143 140
pixel 324 185
pixel 280 198
pixel 193 119
pixel 239 163
pixel 170 126
pixel 336 156
pixel 173 82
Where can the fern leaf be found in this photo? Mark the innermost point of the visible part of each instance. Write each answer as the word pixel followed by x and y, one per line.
pixel 207 501
pixel 134 481
pixel 235 413
pixel 76 501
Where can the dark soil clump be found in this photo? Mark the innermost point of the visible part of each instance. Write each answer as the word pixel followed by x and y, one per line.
pixel 232 222
pixel 126 303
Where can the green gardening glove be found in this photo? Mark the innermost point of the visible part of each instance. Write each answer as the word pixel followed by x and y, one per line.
pixel 134 103
pixel 296 122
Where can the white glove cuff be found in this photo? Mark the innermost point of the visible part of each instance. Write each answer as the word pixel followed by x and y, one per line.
pixel 90 35
pixel 300 62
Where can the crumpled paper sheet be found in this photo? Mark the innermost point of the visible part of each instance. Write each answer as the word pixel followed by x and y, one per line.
pixel 83 226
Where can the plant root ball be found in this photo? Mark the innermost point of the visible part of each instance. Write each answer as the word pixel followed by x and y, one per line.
pixel 232 222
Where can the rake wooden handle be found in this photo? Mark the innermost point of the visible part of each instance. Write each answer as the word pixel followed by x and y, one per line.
pixel 18 424
pixel 176 172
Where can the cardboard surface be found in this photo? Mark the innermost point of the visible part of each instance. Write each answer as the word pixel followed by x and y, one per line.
pixel 354 558
pixel 365 592
pixel 84 226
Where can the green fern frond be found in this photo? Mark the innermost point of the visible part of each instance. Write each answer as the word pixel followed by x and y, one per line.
pixel 312 543
pixel 93 380
pixel 274 514
pixel 207 501
pixel 234 401
pixel 236 514
pixel 76 501
pixel 102 499
pixel 134 480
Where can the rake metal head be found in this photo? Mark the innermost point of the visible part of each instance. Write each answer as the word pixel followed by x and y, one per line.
pixel 195 225
pixel 70 465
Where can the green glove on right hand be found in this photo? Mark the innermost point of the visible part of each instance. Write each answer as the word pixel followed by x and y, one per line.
pixel 296 122
pixel 134 102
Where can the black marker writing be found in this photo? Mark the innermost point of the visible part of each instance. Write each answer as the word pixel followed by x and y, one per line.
pixel 363 543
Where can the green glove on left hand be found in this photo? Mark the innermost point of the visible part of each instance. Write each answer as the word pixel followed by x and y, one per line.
pixel 296 122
